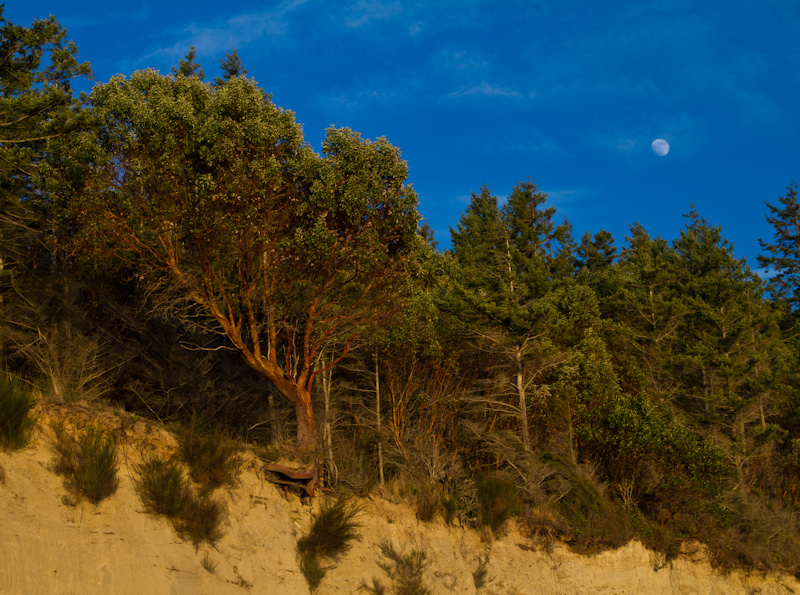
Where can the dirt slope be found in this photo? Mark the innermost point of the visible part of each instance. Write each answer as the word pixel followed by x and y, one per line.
pixel 49 547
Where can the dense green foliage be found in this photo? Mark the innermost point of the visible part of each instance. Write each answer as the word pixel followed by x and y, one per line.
pixel 176 246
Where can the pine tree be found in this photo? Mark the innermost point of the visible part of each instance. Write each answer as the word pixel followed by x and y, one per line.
pixel 783 257
pixel 510 260
pixel 728 345
pixel 231 66
pixel 188 66
pixel 37 64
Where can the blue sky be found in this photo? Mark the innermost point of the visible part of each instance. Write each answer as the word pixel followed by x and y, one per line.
pixel 570 93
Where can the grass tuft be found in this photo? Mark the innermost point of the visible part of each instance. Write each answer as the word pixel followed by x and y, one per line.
pixel 162 486
pixel 200 520
pixel 88 461
pixel 16 425
pixel 405 569
pixel 209 563
pixel 480 576
pixel 210 454
pixel 331 535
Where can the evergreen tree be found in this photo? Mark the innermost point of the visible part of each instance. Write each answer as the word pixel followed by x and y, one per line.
pixel 596 253
pixel 649 310
pixel 783 257
pixel 595 267
pixel 189 67
pixel 728 344
pixel 37 110
pixel 231 66
pixel 509 261
pixel 37 64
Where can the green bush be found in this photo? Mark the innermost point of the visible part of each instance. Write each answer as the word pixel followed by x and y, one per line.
pixel 331 535
pixel 497 501
pixel 16 425
pixel 591 520
pixel 210 454
pixel 162 486
pixel 88 461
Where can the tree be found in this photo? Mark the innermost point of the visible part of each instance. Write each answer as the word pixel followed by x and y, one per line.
pixel 37 64
pixel 510 260
pixel 650 307
pixel 728 346
pixel 231 67
pixel 212 193
pixel 783 257
pixel 37 110
pixel 188 66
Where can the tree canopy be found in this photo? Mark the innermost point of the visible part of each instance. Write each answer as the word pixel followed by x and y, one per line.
pixel 212 191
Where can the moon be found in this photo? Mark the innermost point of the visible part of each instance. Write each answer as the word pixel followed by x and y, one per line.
pixel 660 147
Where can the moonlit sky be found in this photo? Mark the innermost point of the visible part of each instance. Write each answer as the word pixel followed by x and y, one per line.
pixel 570 93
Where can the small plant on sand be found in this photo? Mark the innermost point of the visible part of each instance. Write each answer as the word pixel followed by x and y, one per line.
pixel 164 490
pixel 209 563
pixel 16 424
pixel 200 520
pixel 480 576
pixel 88 462
pixel 332 533
pixel 210 454
pixel 162 486
pixel 405 570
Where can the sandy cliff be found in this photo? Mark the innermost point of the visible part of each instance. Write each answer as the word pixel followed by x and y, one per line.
pixel 50 547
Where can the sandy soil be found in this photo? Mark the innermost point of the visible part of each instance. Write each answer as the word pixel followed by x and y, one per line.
pixel 48 546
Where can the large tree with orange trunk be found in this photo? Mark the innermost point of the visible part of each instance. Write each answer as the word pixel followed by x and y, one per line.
pixel 211 191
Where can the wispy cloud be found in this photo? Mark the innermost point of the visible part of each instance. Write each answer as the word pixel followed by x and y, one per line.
pixel 233 33
pixel 366 11
pixel 485 89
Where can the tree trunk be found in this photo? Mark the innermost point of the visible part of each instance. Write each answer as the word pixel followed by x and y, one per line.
pixel 300 397
pixel 306 424
pixel 327 378
pixel 378 420
pixel 523 406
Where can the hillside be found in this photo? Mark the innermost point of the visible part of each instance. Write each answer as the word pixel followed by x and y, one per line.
pixel 50 546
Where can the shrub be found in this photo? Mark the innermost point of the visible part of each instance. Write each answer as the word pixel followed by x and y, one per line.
pixel 162 487
pixel 210 454
pixel 428 503
pixel 312 569
pixel 405 569
pixel 16 425
pixel 164 490
pixel 200 519
pixel 591 520
pixel 433 500
pixel 331 535
pixel 497 501
pixel 88 462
